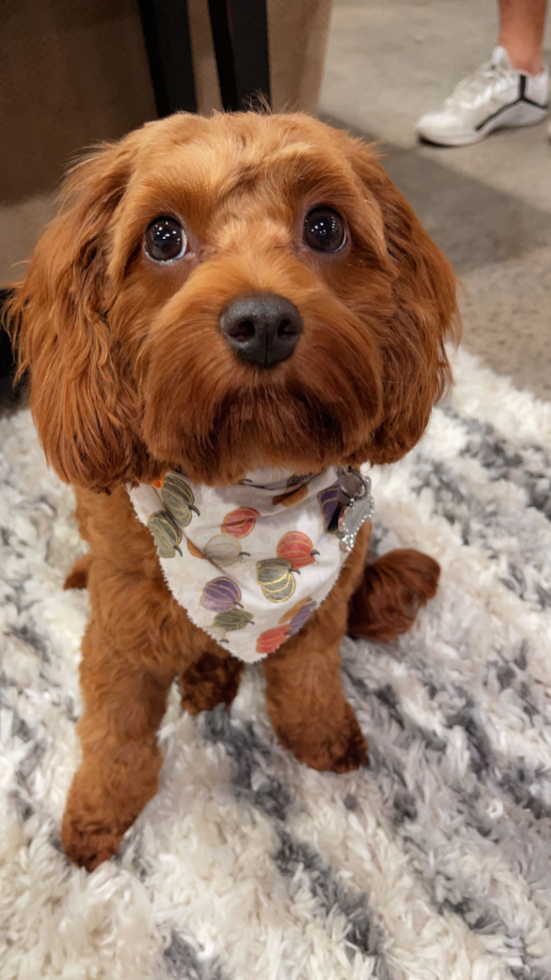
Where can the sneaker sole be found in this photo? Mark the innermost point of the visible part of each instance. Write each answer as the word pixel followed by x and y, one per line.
pixel 519 114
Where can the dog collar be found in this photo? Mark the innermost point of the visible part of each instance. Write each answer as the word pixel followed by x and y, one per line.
pixel 251 562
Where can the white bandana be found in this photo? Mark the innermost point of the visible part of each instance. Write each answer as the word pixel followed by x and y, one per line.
pixel 251 562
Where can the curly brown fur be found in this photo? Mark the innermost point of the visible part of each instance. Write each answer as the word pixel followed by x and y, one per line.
pixel 210 681
pixel 130 375
pixel 393 589
pixel 78 576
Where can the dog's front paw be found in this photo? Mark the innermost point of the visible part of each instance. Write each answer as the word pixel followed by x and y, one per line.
pixel 354 753
pixel 95 822
pixel 348 750
pixel 86 843
pixel 328 746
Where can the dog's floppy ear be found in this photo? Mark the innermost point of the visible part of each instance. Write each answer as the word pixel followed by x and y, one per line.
pixel 416 370
pixel 81 398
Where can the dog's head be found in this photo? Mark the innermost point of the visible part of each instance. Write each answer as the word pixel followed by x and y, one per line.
pixel 229 293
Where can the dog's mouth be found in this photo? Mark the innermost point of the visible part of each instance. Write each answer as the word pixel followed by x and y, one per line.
pixel 294 432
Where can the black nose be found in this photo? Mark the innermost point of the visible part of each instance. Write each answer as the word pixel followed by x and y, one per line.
pixel 262 329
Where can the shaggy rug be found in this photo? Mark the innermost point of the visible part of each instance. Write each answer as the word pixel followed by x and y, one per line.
pixel 433 863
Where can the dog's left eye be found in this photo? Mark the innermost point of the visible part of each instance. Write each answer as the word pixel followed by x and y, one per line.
pixel 324 230
pixel 165 239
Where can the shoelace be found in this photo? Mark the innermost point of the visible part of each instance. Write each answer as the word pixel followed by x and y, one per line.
pixel 475 84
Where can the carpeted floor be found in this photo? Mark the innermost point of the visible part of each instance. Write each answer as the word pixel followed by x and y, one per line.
pixel 434 863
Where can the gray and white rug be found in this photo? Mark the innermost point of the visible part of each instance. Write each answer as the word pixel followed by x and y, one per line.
pixel 434 863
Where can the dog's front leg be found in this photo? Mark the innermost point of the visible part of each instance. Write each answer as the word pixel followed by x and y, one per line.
pixel 307 706
pixel 124 698
pixel 304 692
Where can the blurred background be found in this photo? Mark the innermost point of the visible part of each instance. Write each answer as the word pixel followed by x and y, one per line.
pixel 75 73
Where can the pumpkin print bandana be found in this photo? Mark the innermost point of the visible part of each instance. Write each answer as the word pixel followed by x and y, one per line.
pixel 251 562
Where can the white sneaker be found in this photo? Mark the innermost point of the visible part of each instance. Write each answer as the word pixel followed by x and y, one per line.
pixel 495 95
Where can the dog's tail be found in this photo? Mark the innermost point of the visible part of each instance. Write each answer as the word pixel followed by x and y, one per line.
pixel 391 592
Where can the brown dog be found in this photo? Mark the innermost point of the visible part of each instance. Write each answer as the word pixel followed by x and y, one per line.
pixel 122 325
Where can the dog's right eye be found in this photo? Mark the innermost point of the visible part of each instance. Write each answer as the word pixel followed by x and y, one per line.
pixel 165 239
pixel 324 230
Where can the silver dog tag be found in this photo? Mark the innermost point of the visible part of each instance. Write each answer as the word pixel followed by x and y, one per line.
pixel 357 510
